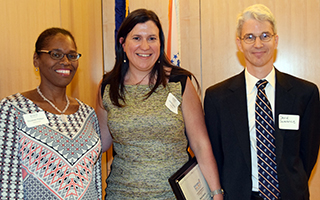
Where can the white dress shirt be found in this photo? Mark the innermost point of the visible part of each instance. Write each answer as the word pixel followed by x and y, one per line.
pixel 251 100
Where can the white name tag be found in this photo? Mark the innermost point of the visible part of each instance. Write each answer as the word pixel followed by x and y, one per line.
pixel 35 119
pixel 289 122
pixel 172 103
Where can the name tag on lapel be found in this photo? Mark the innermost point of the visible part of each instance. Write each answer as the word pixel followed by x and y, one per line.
pixel 289 122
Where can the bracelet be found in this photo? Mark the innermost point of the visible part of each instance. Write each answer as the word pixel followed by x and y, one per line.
pixel 218 191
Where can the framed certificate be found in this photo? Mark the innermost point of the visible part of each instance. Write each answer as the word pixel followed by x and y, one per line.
pixel 188 183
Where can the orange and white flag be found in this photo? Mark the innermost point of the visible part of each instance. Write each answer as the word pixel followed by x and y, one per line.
pixel 173 48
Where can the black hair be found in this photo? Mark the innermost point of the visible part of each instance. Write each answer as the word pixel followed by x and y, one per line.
pixel 48 34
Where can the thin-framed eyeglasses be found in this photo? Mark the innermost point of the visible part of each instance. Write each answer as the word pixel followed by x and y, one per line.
pixel 264 37
pixel 58 55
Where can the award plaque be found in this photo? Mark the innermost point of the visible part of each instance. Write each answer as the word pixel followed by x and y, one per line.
pixel 188 183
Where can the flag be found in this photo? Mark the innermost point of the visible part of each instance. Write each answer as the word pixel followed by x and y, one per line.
pixel 121 11
pixel 173 48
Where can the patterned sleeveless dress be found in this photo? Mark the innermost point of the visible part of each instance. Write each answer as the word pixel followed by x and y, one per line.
pixel 149 143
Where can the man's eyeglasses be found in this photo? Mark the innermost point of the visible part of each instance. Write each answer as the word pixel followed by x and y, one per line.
pixel 58 55
pixel 250 38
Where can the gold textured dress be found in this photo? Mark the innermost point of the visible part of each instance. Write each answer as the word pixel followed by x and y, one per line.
pixel 149 143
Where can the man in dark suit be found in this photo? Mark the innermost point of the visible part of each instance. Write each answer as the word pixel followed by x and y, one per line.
pixel 290 122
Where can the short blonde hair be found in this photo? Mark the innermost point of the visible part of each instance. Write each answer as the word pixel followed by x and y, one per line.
pixel 258 12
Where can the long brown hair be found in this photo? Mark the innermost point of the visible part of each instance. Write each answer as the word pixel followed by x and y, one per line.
pixel 115 78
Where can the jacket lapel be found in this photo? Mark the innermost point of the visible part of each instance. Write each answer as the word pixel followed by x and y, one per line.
pixel 283 105
pixel 237 102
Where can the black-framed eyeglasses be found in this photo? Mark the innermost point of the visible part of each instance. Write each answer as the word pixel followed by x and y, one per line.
pixel 264 37
pixel 58 55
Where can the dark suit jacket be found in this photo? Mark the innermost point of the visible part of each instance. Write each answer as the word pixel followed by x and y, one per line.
pixel 226 116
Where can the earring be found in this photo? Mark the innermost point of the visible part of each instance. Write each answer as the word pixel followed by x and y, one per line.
pixel 158 61
pixel 124 58
pixel 36 69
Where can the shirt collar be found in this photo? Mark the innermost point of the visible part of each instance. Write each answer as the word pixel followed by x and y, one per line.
pixel 251 80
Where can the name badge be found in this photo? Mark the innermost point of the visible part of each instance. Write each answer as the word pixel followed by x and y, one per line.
pixel 172 103
pixel 35 119
pixel 289 122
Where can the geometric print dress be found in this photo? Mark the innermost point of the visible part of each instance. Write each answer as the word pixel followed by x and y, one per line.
pixel 54 160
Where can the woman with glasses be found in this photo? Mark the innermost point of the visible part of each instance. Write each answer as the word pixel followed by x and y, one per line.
pixel 50 147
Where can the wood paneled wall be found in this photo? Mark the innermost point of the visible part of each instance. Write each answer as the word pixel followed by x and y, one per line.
pixel 208 33
pixel 21 23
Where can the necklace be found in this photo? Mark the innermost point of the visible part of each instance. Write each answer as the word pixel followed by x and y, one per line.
pixel 142 79
pixel 62 116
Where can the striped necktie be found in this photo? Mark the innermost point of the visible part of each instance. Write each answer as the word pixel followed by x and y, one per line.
pixel 267 166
